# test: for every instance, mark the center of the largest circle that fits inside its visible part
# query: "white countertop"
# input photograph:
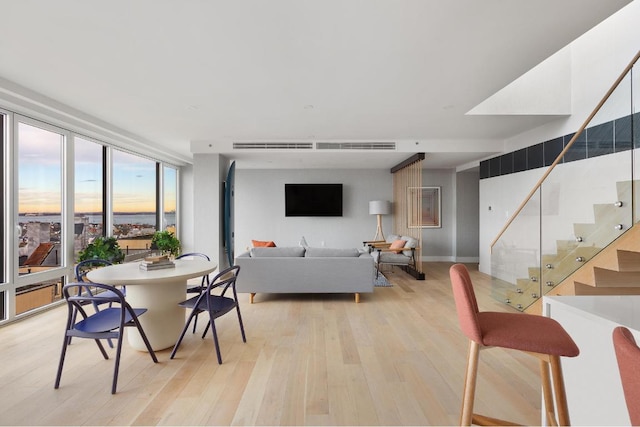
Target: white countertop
(622, 309)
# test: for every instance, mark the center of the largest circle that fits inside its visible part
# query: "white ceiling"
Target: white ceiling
(217, 72)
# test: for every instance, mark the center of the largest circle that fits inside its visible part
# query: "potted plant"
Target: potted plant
(103, 248)
(166, 242)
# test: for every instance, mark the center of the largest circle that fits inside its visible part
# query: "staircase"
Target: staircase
(590, 264)
(599, 258)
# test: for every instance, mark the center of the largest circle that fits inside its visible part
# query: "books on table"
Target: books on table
(156, 263)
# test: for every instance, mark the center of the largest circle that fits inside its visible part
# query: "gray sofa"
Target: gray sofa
(305, 270)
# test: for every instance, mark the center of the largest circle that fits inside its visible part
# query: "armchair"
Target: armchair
(395, 250)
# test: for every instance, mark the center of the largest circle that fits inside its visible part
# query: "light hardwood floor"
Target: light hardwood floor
(396, 358)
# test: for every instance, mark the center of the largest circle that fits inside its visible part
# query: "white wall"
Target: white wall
(259, 207)
(598, 58)
(467, 216)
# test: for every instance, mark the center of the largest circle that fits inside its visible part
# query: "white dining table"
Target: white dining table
(159, 291)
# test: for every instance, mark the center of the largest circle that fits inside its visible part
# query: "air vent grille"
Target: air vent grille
(356, 145)
(272, 145)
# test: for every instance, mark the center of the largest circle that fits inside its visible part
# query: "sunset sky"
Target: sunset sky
(40, 176)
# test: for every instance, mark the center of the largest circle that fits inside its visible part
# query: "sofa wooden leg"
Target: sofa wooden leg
(357, 297)
(251, 295)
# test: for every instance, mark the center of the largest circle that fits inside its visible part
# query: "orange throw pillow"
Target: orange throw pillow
(398, 244)
(263, 244)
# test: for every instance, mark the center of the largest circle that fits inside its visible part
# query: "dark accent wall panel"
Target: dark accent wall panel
(578, 151)
(535, 156)
(494, 167)
(600, 140)
(520, 160)
(552, 150)
(611, 137)
(622, 134)
(506, 164)
(484, 169)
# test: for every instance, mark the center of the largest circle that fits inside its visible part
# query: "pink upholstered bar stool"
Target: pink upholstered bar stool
(628, 356)
(539, 336)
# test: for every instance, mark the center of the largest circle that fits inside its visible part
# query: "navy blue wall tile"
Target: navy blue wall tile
(484, 169)
(494, 166)
(535, 156)
(552, 149)
(622, 134)
(618, 135)
(578, 151)
(506, 164)
(520, 160)
(600, 140)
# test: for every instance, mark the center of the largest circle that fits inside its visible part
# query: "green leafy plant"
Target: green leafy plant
(103, 248)
(166, 242)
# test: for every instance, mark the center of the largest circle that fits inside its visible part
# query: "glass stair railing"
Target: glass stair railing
(578, 207)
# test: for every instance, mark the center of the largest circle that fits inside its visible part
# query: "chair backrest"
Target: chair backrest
(226, 279)
(466, 303)
(194, 254)
(628, 356)
(83, 267)
(205, 278)
(76, 296)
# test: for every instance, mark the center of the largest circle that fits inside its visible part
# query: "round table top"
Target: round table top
(131, 274)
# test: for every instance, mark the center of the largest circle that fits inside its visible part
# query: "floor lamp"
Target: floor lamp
(379, 207)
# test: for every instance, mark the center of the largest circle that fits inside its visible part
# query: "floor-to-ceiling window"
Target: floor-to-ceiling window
(40, 232)
(3, 223)
(61, 190)
(170, 198)
(89, 200)
(134, 196)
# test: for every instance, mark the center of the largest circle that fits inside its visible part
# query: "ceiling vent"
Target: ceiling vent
(272, 145)
(356, 145)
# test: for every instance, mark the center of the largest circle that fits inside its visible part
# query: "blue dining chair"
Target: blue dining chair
(81, 270)
(108, 323)
(216, 305)
(198, 289)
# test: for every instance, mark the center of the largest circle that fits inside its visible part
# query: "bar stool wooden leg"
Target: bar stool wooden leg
(559, 391)
(470, 384)
(547, 392)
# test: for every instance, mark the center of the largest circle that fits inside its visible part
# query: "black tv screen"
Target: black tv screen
(313, 199)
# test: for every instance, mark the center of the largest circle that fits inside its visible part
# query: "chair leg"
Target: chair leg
(547, 393)
(117, 364)
(66, 342)
(215, 340)
(195, 324)
(184, 330)
(559, 391)
(470, 384)
(244, 338)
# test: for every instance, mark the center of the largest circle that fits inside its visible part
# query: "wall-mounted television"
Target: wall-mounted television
(313, 199)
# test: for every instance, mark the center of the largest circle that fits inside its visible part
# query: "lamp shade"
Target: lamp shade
(379, 207)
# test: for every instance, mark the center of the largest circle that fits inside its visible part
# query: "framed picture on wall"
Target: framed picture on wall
(424, 207)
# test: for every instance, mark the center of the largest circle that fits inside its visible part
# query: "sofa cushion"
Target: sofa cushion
(266, 252)
(392, 238)
(411, 243)
(331, 252)
(398, 244)
(263, 244)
